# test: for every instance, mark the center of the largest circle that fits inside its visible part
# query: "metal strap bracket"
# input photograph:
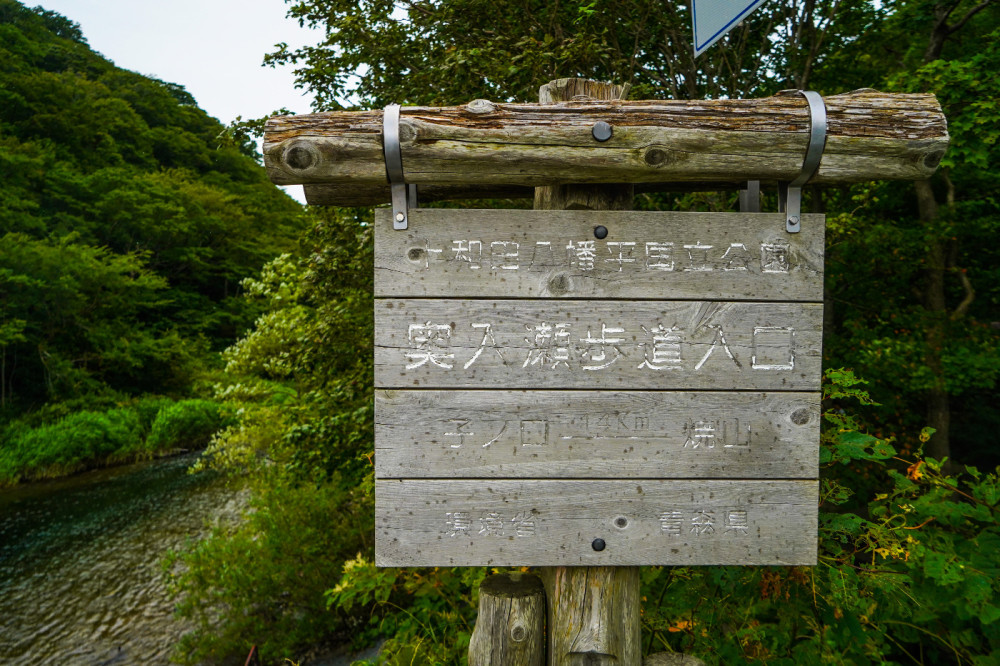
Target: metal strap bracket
(403, 196)
(790, 194)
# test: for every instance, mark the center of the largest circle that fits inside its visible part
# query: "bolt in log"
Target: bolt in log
(482, 146)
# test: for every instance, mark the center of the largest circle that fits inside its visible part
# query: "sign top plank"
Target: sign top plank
(633, 255)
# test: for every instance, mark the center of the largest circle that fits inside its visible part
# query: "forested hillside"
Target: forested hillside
(127, 221)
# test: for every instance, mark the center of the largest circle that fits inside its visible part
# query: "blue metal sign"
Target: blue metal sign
(714, 18)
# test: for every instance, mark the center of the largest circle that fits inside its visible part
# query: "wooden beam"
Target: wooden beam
(871, 135)
(593, 613)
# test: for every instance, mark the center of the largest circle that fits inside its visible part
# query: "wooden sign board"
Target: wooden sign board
(542, 384)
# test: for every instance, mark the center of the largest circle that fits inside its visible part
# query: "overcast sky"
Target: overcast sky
(214, 48)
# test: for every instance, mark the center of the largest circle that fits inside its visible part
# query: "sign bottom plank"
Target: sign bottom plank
(595, 522)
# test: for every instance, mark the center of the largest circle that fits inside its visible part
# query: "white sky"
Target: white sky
(214, 48)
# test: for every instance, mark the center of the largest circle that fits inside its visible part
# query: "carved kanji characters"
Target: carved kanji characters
(700, 434)
(582, 254)
(665, 351)
(736, 258)
(773, 348)
(458, 522)
(469, 252)
(524, 524)
(703, 523)
(737, 523)
(718, 338)
(603, 351)
(621, 253)
(549, 345)
(429, 344)
(457, 426)
(504, 255)
(698, 257)
(491, 524)
(659, 256)
(488, 341)
(774, 257)
(672, 523)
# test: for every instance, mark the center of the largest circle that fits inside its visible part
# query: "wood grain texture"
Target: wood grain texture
(871, 136)
(459, 343)
(532, 254)
(510, 628)
(596, 434)
(589, 633)
(598, 633)
(555, 522)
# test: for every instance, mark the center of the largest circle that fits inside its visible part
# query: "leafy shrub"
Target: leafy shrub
(186, 423)
(148, 408)
(267, 574)
(70, 443)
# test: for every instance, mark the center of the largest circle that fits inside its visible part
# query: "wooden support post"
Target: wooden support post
(510, 629)
(593, 612)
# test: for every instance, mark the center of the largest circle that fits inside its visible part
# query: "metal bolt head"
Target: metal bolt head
(602, 131)
(598, 545)
(600, 232)
(400, 217)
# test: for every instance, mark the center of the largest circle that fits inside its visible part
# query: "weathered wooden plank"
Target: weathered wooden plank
(556, 523)
(461, 343)
(871, 136)
(533, 253)
(596, 434)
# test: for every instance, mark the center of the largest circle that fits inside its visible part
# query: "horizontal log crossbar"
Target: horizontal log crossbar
(485, 148)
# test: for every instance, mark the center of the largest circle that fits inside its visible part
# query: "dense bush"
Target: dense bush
(186, 424)
(90, 438)
(267, 574)
(70, 444)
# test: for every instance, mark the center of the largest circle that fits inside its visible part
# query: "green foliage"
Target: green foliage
(88, 438)
(266, 574)
(186, 423)
(451, 52)
(70, 443)
(126, 223)
(303, 444)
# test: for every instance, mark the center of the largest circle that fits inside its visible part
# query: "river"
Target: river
(80, 576)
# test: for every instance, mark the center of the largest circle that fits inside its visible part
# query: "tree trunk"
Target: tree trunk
(510, 629)
(871, 135)
(593, 612)
(593, 616)
(938, 401)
